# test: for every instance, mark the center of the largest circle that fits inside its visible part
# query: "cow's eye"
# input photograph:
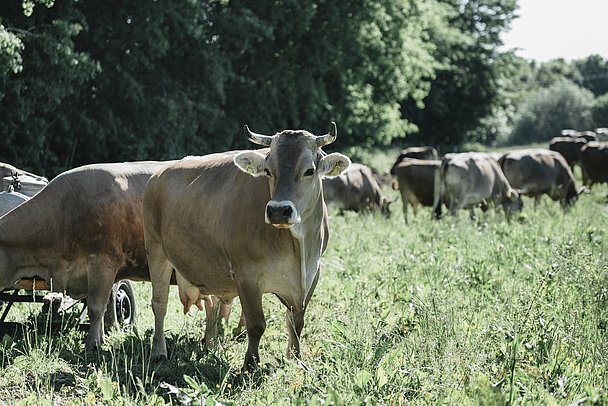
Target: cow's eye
(267, 172)
(309, 172)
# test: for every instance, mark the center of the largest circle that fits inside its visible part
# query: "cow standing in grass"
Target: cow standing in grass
(356, 189)
(539, 171)
(594, 162)
(81, 233)
(416, 182)
(471, 179)
(244, 224)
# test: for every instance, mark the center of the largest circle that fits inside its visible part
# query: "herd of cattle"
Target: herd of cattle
(477, 179)
(240, 223)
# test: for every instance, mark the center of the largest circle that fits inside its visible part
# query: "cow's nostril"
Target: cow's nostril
(287, 211)
(269, 211)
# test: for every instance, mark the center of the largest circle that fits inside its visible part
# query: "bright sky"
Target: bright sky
(550, 29)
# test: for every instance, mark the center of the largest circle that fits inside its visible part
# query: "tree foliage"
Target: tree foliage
(87, 82)
(549, 110)
(466, 87)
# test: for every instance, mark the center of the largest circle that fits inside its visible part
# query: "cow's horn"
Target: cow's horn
(326, 139)
(256, 138)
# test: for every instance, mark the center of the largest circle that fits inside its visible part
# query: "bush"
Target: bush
(546, 112)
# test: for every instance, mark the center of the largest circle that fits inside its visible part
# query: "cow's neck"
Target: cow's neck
(309, 234)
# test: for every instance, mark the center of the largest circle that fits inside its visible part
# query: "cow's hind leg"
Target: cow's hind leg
(160, 276)
(100, 278)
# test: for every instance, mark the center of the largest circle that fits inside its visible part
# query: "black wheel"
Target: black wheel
(121, 309)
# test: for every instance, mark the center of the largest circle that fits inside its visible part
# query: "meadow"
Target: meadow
(456, 311)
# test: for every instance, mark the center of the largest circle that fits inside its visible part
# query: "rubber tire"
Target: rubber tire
(121, 310)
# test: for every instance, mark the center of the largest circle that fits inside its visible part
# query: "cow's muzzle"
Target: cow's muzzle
(281, 214)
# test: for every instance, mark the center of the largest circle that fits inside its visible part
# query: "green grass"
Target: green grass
(455, 311)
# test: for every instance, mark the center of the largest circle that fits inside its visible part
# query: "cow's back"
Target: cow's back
(535, 171)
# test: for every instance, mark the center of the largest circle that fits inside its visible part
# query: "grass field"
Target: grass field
(456, 311)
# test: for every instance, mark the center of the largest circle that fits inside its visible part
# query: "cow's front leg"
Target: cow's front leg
(251, 302)
(295, 322)
(100, 279)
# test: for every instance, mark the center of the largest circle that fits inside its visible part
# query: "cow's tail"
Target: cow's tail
(438, 189)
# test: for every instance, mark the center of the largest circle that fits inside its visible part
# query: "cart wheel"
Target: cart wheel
(121, 309)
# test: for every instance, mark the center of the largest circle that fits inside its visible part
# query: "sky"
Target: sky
(550, 29)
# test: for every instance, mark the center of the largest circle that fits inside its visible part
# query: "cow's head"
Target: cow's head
(513, 202)
(294, 166)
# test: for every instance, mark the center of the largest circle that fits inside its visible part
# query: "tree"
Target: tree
(82, 82)
(600, 111)
(593, 74)
(549, 110)
(466, 87)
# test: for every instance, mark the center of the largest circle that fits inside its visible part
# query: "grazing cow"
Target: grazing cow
(416, 179)
(587, 136)
(594, 162)
(416, 153)
(356, 189)
(244, 224)
(82, 232)
(540, 171)
(470, 179)
(569, 147)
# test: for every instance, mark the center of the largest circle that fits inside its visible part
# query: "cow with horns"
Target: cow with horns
(242, 224)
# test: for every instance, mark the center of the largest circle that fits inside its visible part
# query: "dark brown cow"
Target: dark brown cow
(244, 224)
(356, 189)
(569, 147)
(416, 181)
(471, 179)
(594, 162)
(540, 171)
(425, 152)
(587, 136)
(81, 233)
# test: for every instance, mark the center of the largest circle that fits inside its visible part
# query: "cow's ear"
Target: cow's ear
(333, 164)
(251, 162)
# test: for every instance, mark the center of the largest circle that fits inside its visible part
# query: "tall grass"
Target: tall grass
(455, 311)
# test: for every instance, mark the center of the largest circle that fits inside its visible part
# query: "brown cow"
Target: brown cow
(539, 171)
(594, 162)
(586, 135)
(356, 189)
(242, 225)
(415, 178)
(425, 152)
(82, 232)
(569, 147)
(471, 179)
